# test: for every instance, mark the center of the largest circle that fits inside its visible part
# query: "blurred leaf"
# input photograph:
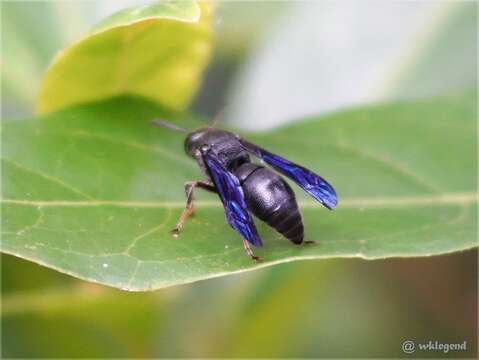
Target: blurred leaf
(238, 28)
(20, 276)
(340, 59)
(318, 310)
(92, 191)
(102, 323)
(443, 60)
(29, 38)
(157, 51)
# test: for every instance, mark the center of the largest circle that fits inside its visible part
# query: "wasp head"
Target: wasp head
(196, 140)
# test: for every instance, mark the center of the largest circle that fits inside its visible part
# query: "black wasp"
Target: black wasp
(246, 187)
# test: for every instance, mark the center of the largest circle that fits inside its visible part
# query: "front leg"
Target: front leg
(189, 208)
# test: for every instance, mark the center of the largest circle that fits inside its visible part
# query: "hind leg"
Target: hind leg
(189, 208)
(249, 251)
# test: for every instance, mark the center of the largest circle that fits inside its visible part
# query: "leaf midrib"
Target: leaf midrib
(351, 203)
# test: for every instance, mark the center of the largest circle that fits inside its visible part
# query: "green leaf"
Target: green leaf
(93, 190)
(157, 51)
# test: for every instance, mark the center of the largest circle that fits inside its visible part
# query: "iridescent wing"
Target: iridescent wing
(232, 196)
(310, 182)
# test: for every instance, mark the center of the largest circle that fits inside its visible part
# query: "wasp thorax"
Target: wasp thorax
(220, 140)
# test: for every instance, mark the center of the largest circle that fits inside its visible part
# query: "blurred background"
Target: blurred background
(274, 62)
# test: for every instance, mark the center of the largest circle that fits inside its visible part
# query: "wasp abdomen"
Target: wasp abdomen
(272, 200)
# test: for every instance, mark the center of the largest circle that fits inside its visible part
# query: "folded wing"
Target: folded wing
(232, 196)
(310, 182)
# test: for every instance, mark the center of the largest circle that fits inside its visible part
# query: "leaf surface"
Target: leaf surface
(157, 51)
(92, 191)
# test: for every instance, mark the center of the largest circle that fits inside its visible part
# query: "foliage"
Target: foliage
(93, 190)
(157, 51)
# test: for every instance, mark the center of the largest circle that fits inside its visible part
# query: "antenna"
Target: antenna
(167, 125)
(217, 116)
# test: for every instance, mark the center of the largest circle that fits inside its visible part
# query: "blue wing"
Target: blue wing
(232, 196)
(312, 183)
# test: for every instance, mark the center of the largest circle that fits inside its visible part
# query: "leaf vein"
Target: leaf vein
(399, 168)
(49, 178)
(155, 149)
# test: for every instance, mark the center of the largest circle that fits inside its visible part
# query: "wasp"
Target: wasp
(247, 188)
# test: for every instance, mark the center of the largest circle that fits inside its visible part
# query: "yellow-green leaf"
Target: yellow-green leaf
(157, 51)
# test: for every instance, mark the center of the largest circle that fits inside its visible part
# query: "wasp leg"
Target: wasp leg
(309, 242)
(189, 208)
(249, 251)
